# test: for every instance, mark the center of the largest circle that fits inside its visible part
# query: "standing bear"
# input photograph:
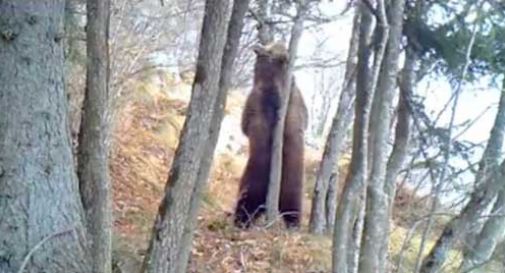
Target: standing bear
(259, 118)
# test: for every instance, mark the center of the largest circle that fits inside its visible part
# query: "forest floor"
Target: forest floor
(144, 140)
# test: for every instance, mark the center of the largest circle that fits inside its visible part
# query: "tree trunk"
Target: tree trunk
(353, 252)
(331, 197)
(481, 251)
(355, 181)
(93, 170)
(167, 237)
(492, 233)
(265, 33)
(321, 197)
(274, 185)
(42, 226)
(235, 27)
(402, 135)
(376, 224)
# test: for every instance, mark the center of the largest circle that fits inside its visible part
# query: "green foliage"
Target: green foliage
(441, 31)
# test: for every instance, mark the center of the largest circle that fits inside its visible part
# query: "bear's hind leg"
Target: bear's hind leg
(248, 210)
(253, 189)
(290, 201)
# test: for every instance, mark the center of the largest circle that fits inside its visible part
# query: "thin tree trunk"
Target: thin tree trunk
(265, 33)
(376, 224)
(167, 238)
(321, 197)
(458, 226)
(235, 27)
(42, 222)
(355, 181)
(274, 185)
(402, 135)
(92, 170)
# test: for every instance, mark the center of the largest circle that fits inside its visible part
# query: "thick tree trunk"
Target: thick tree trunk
(274, 185)
(93, 170)
(321, 198)
(166, 240)
(353, 193)
(376, 224)
(42, 226)
(235, 27)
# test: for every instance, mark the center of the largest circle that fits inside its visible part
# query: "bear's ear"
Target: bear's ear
(259, 49)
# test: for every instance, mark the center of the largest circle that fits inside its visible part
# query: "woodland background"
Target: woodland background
(404, 164)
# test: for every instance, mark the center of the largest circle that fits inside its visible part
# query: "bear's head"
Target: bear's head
(271, 60)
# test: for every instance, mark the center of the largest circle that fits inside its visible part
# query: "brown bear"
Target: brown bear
(259, 118)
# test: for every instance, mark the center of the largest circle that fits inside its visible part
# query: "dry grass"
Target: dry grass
(145, 138)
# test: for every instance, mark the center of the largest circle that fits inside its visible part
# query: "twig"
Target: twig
(457, 92)
(39, 245)
(243, 262)
(279, 216)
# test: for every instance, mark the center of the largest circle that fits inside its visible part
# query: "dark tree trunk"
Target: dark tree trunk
(235, 27)
(165, 247)
(42, 226)
(331, 199)
(92, 160)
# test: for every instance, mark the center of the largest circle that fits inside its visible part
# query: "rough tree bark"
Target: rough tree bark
(353, 192)
(481, 198)
(323, 196)
(167, 236)
(274, 185)
(402, 135)
(235, 27)
(376, 225)
(42, 226)
(92, 169)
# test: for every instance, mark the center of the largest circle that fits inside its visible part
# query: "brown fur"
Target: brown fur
(258, 122)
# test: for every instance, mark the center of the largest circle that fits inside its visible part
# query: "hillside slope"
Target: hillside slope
(144, 140)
